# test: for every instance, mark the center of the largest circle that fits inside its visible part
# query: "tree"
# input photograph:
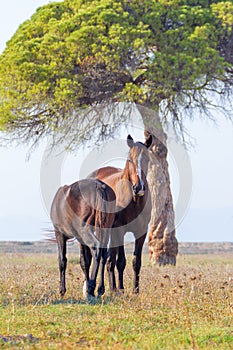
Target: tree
(167, 56)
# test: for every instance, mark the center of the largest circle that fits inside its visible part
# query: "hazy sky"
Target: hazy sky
(209, 216)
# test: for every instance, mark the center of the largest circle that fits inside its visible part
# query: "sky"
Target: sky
(201, 179)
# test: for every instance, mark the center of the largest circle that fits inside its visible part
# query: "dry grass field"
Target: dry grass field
(189, 306)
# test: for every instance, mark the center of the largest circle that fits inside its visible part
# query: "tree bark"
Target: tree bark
(162, 242)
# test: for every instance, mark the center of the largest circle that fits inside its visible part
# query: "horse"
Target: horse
(133, 210)
(84, 210)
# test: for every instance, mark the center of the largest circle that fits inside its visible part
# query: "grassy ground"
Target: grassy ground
(186, 307)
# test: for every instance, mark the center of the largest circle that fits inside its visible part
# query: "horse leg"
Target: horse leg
(104, 238)
(121, 263)
(62, 260)
(111, 263)
(137, 260)
(85, 262)
(96, 250)
(101, 287)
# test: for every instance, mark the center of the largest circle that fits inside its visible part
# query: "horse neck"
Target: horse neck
(122, 187)
(126, 173)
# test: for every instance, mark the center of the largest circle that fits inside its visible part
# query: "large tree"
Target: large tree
(168, 56)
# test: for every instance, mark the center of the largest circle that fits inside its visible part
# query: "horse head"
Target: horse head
(137, 164)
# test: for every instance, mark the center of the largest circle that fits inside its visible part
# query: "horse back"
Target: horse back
(105, 172)
(80, 204)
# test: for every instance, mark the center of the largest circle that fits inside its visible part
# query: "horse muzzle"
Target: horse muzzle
(138, 190)
(140, 193)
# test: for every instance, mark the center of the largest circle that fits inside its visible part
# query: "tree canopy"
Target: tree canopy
(75, 54)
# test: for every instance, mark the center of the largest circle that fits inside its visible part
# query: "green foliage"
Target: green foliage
(74, 54)
(224, 11)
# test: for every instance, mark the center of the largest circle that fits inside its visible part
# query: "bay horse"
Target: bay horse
(84, 210)
(133, 209)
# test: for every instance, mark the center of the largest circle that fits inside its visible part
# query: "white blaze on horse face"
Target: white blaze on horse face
(141, 192)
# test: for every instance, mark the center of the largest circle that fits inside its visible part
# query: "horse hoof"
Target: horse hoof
(62, 293)
(117, 292)
(91, 299)
(101, 292)
(120, 292)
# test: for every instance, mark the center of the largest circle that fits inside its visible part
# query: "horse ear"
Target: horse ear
(148, 141)
(130, 141)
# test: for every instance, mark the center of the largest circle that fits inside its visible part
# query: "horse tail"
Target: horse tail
(101, 217)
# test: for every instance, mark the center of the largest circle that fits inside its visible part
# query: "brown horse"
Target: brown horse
(84, 210)
(133, 209)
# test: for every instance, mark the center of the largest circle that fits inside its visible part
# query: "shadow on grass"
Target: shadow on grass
(88, 301)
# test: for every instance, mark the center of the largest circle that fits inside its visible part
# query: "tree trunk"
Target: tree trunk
(163, 245)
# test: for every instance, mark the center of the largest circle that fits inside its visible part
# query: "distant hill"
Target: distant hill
(47, 247)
